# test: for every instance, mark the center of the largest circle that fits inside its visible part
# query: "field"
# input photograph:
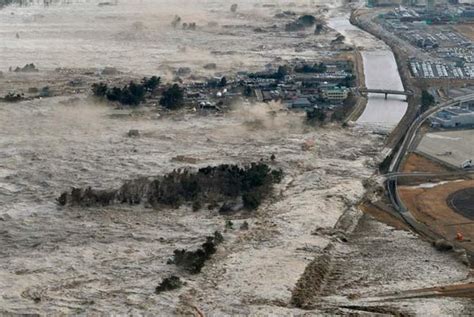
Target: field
(429, 204)
(466, 29)
(418, 163)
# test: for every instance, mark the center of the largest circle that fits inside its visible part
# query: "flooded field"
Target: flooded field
(111, 259)
(137, 36)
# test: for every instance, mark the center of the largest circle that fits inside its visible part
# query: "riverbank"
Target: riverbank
(363, 20)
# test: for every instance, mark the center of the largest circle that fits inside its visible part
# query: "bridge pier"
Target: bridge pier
(386, 96)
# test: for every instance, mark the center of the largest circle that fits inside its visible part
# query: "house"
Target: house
(301, 103)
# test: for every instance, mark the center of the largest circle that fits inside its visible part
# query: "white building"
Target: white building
(454, 117)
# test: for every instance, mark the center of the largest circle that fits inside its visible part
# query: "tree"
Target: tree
(315, 115)
(114, 94)
(319, 29)
(223, 82)
(133, 94)
(427, 100)
(173, 97)
(320, 68)
(281, 73)
(248, 91)
(347, 81)
(100, 89)
(307, 20)
(150, 84)
(176, 21)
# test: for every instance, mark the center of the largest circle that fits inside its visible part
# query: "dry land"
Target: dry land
(415, 162)
(450, 147)
(429, 204)
(466, 29)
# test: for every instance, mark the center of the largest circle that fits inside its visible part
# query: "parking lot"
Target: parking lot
(451, 147)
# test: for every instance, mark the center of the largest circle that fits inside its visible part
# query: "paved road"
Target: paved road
(394, 169)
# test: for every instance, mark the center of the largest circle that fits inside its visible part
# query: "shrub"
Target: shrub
(193, 261)
(169, 284)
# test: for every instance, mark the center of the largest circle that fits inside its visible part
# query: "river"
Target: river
(381, 72)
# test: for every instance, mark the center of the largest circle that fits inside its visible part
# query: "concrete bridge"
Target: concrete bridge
(386, 92)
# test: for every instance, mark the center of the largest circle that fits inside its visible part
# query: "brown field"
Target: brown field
(429, 206)
(418, 163)
(383, 215)
(466, 29)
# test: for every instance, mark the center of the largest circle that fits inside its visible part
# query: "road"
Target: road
(394, 169)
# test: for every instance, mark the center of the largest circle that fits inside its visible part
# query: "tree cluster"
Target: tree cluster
(427, 100)
(193, 261)
(173, 97)
(214, 185)
(315, 116)
(12, 97)
(348, 81)
(316, 68)
(341, 112)
(301, 23)
(132, 94)
(279, 75)
(168, 284)
(28, 68)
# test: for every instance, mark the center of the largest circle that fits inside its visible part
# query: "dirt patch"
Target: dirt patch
(466, 30)
(418, 163)
(310, 284)
(383, 214)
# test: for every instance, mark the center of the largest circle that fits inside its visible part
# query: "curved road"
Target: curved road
(394, 169)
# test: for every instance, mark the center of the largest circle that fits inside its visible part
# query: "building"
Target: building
(454, 117)
(301, 103)
(335, 94)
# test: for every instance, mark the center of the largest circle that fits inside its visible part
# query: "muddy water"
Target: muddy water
(137, 35)
(109, 260)
(381, 72)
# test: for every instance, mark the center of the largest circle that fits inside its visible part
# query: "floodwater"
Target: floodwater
(381, 72)
(108, 261)
(137, 36)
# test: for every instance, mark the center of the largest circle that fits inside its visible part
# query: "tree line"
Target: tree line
(134, 94)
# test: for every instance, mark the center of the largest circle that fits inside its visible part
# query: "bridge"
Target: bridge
(386, 92)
